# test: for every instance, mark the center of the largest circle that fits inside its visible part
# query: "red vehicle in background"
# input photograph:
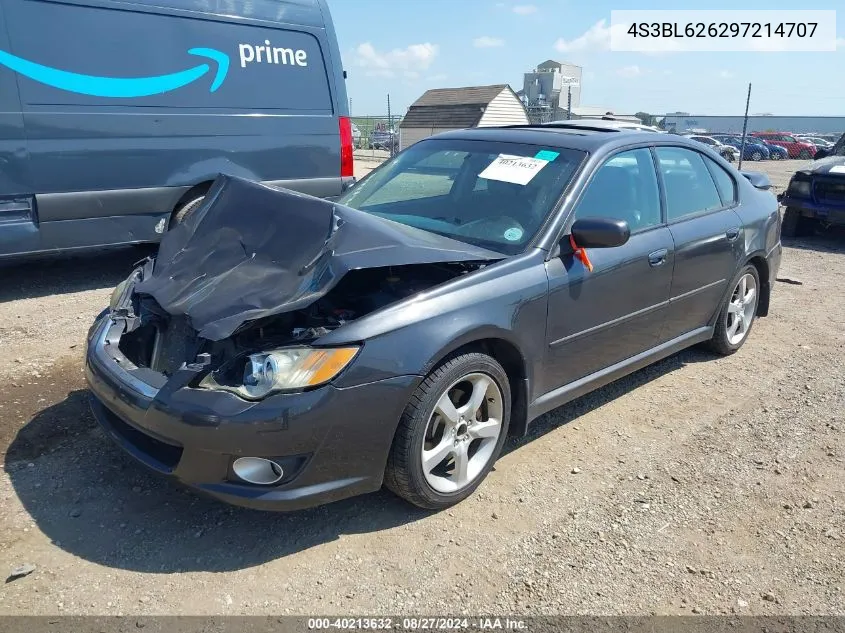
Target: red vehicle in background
(796, 147)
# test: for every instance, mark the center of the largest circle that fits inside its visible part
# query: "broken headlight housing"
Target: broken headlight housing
(799, 187)
(117, 293)
(286, 369)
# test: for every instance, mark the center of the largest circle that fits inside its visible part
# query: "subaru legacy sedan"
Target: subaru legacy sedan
(283, 351)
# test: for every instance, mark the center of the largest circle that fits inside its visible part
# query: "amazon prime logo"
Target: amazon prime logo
(119, 87)
(272, 55)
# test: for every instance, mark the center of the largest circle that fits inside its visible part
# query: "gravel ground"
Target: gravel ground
(697, 485)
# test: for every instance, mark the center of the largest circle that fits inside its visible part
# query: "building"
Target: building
(595, 112)
(443, 109)
(546, 89)
(683, 122)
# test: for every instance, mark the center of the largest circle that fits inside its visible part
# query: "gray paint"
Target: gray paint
(568, 330)
(107, 168)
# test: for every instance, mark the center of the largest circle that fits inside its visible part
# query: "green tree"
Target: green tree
(646, 118)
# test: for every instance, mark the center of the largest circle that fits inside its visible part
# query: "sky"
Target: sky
(404, 47)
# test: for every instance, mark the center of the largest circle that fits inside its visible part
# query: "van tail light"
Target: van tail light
(347, 166)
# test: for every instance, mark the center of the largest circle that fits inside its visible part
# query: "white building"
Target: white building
(443, 109)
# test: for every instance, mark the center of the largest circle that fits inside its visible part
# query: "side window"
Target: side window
(689, 187)
(624, 188)
(724, 182)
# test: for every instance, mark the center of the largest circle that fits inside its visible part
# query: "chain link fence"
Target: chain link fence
(376, 138)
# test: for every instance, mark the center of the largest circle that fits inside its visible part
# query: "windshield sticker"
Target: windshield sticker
(837, 169)
(513, 234)
(545, 154)
(518, 170)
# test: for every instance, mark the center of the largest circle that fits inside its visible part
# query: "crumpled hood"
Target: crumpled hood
(252, 251)
(824, 165)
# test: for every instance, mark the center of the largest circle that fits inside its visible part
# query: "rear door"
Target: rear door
(700, 197)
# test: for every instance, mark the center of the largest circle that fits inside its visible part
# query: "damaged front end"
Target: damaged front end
(247, 286)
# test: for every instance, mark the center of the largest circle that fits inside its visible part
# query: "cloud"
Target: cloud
(524, 9)
(487, 42)
(595, 38)
(399, 61)
(437, 77)
(726, 74)
(629, 72)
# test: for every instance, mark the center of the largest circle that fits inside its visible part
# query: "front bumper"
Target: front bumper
(833, 214)
(332, 442)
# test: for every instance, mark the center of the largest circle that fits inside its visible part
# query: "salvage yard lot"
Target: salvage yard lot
(695, 485)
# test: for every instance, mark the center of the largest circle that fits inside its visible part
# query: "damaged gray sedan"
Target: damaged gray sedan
(283, 351)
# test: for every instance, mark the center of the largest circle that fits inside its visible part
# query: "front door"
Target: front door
(599, 318)
(707, 234)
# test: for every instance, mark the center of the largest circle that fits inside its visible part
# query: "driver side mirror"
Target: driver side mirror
(822, 153)
(600, 232)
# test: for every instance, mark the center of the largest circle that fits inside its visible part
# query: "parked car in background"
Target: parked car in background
(309, 351)
(755, 149)
(119, 155)
(815, 195)
(384, 139)
(356, 135)
(820, 143)
(795, 146)
(776, 152)
(727, 152)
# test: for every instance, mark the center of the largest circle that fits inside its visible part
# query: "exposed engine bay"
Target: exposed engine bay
(164, 342)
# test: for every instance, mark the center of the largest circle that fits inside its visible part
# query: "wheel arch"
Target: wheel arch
(501, 346)
(758, 260)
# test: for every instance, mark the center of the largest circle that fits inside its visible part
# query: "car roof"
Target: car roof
(564, 135)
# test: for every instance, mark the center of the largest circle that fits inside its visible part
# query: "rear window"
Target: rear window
(95, 56)
(490, 194)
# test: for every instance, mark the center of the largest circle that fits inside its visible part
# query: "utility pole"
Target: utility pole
(569, 101)
(744, 127)
(390, 136)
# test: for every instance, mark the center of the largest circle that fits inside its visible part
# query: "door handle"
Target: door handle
(658, 258)
(732, 233)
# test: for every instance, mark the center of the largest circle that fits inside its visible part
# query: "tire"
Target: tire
(775, 155)
(434, 485)
(757, 155)
(728, 156)
(184, 210)
(796, 225)
(804, 155)
(728, 337)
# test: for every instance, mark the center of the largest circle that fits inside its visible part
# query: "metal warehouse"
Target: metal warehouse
(683, 122)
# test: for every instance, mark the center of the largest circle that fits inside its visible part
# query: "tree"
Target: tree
(646, 118)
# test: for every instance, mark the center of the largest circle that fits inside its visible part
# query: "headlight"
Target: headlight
(284, 369)
(117, 293)
(799, 188)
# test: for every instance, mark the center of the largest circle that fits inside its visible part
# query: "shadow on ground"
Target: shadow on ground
(99, 505)
(61, 274)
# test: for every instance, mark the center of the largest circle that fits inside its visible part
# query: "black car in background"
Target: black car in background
(309, 351)
(815, 195)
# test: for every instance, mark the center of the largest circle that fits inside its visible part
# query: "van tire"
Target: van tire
(183, 210)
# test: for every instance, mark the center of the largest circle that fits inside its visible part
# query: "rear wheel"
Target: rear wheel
(757, 155)
(738, 313)
(796, 225)
(775, 155)
(451, 432)
(804, 154)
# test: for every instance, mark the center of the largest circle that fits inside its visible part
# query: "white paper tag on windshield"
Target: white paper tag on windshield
(837, 169)
(518, 170)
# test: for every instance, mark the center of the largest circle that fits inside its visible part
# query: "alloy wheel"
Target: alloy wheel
(462, 432)
(741, 309)
(756, 156)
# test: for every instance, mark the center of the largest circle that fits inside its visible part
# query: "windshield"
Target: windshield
(489, 194)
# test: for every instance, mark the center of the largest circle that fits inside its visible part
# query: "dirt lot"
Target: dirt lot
(698, 485)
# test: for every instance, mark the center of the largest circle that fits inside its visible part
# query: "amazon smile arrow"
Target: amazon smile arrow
(116, 86)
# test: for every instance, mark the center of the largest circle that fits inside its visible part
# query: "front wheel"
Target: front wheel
(184, 210)
(738, 313)
(451, 432)
(757, 156)
(775, 155)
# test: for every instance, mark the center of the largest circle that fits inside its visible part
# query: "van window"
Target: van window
(127, 57)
